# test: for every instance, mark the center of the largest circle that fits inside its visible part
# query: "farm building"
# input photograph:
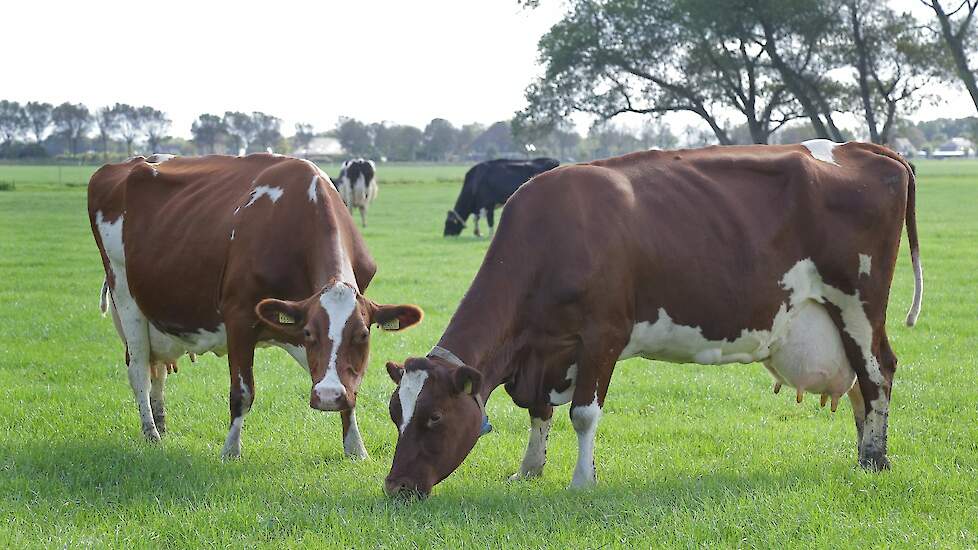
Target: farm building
(320, 146)
(957, 147)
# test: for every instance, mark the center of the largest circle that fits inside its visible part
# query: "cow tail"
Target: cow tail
(103, 303)
(918, 272)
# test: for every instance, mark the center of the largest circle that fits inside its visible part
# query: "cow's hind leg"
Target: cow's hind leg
(858, 411)
(478, 232)
(158, 374)
(352, 442)
(491, 219)
(536, 447)
(241, 357)
(363, 216)
(134, 329)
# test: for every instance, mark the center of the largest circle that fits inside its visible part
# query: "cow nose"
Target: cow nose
(329, 399)
(402, 488)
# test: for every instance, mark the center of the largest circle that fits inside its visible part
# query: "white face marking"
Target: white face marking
(312, 190)
(273, 193)
(865, 264)
(408, 391)
(559, 398)
(821, 149)
(338, 302)
(346, 267)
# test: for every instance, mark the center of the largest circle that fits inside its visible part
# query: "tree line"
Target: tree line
(755, 65)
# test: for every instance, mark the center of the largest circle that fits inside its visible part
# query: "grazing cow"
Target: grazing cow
(488, 185)
(224, 254)
(775, 254)
(358, 185)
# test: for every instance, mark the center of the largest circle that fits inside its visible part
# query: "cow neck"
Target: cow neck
(481, 333)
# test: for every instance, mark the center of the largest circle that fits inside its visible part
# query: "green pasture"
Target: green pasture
(686, 455)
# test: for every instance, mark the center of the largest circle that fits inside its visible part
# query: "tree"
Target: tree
(303, 135)
(73, 121)
(107, 123)
(129, 124)
(892, 62)
(611, 57)
(241, 128)
(355, 137)
(155, 124)
(396, 142)
(267, 130)
(38, 118)
(960, 39)
(440, 139)
(208, 130)
(657, 134)
(12, 121)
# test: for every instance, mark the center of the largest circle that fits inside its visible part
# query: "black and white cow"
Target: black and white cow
(357, 185)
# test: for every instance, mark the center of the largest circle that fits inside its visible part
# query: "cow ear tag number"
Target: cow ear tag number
(392, 324)
(284, 319)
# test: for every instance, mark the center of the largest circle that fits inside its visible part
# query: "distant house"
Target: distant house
(320, 146)
(903, 146)
(958, 147)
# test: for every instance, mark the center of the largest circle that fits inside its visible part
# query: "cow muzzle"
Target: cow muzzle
(404, 488)
(329, 398)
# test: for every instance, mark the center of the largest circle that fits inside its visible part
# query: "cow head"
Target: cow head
(333, 326)
(454, 224)
(438, 416)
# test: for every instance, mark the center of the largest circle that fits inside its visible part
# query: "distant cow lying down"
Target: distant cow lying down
(357, 185)
(226, 254)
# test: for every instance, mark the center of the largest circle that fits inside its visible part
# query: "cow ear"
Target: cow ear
(281, 315)
(467, 380)
(395, 371)
(396, 317)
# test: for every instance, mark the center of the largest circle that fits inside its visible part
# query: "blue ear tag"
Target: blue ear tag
(486, 426)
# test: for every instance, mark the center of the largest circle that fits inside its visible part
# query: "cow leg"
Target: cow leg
(594, 368)
(491, 219)
(478, 233)
(133, 328)
(363, 216)
(352, 442)
(536, 448)
(158, 374)
(241, 357)
(858, 411)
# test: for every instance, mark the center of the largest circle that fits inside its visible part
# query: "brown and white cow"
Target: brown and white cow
(775, 254)
(224, 254)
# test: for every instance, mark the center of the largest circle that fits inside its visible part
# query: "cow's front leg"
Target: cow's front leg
(478, 232)
(363, 216)
(241, 357)
(352, 442)
(858, 412)
(536, 447)
(491, 219)
(158, 374)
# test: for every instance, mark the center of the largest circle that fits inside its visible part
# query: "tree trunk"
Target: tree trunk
(862, 70)
(954, 44)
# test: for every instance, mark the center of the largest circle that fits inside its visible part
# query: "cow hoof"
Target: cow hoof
(153, 436)
(230, 454)
(358, 455)
(875, 463)
(160, 422)
(523, 476)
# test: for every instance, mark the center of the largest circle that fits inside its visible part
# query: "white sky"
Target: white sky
(404, 61)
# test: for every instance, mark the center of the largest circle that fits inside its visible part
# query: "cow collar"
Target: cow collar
(445, 355)
(461, 221)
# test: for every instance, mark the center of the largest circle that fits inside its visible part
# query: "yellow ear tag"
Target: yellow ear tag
(284, 319)
(392, 324)
(468, 387)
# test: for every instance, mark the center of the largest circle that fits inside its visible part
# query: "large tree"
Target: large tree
(107, 123)
(440, 139)
(303, 135)
(129, 124)
(12, 121)
(958, 32)
(155, 124)
(267, 130)
(38, 118)
(208, 130)
(241, 128)
(354, 136)
(73, 121)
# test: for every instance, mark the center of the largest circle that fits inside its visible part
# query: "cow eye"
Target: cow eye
(434, 419)
(307, 333)
(362, 336)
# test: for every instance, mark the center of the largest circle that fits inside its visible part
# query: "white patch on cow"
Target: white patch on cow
(536, 449)
(352, 441)
(273, 193)
(232, 445)
(412, 382)
(297, 352)
(312, 190)
(170, 347)
(339, 302)
(668, 341)
(245, 395)
(585, 420)
(343, 261)
(159, 158)
(562, 397)
(232, 234)
(236, 210)
(865, 264)
(809, 355)
(821, 149)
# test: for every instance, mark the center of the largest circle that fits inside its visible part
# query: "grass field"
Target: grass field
(686, 455)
